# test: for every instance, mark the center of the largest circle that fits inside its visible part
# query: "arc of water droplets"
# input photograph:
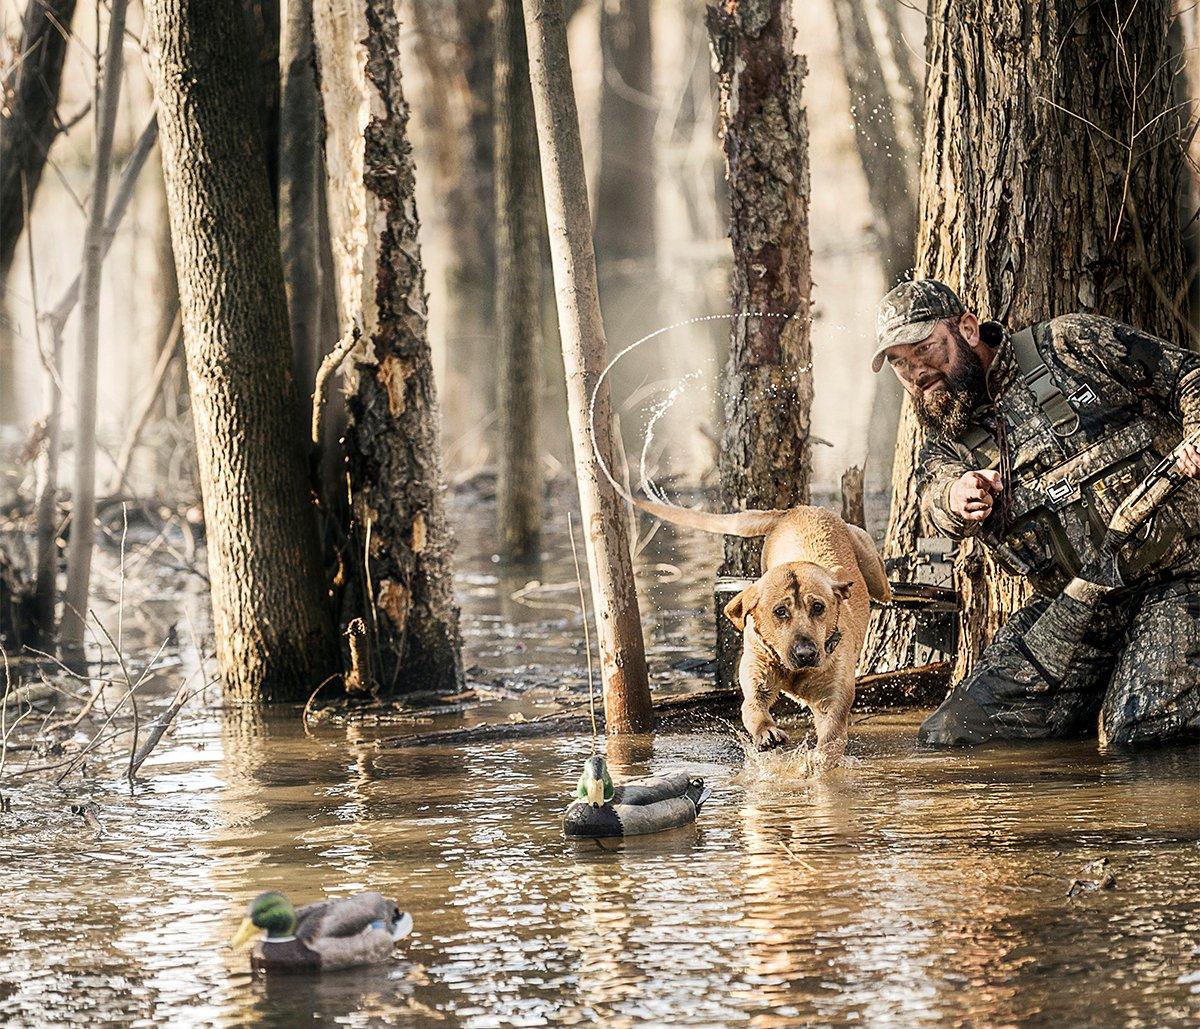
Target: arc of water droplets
(671, 398)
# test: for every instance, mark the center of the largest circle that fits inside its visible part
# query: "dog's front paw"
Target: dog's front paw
(770, 738)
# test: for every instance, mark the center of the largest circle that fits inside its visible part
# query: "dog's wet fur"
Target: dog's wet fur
(803, 621)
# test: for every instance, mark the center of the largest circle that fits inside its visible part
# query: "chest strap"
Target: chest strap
(1062, 416)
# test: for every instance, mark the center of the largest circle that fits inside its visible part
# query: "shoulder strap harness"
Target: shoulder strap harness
(1062, 416)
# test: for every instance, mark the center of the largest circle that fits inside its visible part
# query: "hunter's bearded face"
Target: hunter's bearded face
(945, 378)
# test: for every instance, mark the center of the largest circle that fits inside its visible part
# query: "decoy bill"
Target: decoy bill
(321, 937)
(635, 808)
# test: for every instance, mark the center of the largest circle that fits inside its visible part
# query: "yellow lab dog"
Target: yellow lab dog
(803, 622)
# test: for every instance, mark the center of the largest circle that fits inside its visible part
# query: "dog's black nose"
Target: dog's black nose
(805, 654)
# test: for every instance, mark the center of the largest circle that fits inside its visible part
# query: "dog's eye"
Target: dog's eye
(781, 611)
(818, 608)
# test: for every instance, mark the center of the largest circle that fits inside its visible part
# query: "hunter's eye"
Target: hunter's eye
(818, 608)
(781, 611)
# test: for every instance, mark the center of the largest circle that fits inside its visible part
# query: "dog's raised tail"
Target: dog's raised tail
(738, 523)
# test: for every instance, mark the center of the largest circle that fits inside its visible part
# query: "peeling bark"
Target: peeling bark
(766, 452)
(1033, 205)
(397, 564)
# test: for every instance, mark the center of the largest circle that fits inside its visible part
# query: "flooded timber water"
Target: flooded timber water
(911, 888)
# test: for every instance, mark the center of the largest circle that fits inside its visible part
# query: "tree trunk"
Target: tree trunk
(301, 178)
(1047, 186)
(402, 587)
(262, 17)
(28, 122)
(28, 125)
(455, 49)
(765, 453)
(518, 289)
(627, 706)
(274, 637)
(626, 200)
(83, 490)
(889, 165)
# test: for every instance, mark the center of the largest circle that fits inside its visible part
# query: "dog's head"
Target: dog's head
(795, 612)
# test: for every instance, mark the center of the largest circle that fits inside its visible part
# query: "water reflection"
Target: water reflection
(910, 888)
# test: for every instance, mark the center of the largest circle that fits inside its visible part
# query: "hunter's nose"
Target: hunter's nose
(804, 654)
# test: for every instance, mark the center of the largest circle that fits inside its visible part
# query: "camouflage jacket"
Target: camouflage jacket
(1135, 396)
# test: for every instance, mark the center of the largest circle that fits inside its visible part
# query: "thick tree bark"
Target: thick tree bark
(398, 565)
(83, 490)
(518, 289)
(627, 706)
(1047, 186)
(274, 636)
(28, 123)
(765, 453)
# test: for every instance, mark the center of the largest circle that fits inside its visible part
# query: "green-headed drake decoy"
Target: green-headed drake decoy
(636, 808)
(321, 937)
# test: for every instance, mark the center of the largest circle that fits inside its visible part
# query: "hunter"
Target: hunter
(1032, 440)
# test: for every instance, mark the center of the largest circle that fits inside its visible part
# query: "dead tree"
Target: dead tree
(518, 289)
(1027, 104)
(273, 632)
(397, 565)
(765, 453)
(83, 491)
(627, 706)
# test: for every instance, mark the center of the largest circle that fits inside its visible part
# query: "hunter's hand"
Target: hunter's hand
(971, 498)
(1189, 461)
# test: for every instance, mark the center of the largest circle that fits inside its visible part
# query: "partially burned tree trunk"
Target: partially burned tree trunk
(274, 636)
(765, 453)
(627, 706)
(262, 18)
(28, 122)
(518, 289)
(397, 567)
(1047, 186)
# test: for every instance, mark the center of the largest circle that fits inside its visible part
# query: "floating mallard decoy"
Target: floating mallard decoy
(320, 937)
(636, 808)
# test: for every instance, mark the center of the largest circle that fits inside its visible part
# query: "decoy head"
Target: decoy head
(595, 784)
(271, 911)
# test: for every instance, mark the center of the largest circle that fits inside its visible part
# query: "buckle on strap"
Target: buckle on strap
(1064, 419)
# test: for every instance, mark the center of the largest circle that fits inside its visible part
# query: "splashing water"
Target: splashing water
(783, 766)
(659, 412)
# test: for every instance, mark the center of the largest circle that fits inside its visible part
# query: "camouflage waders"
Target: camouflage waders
(1083, 408)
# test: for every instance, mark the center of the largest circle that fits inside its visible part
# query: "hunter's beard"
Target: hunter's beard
(946, 412)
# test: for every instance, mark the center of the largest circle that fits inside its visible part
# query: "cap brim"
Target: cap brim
(901, 336)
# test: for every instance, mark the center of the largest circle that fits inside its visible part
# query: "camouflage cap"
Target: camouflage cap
(910, 312)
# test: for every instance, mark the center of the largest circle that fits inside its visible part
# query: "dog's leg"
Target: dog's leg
(832, 721)
(760, 689)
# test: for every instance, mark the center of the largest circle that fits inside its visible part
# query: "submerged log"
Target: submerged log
(923, 686)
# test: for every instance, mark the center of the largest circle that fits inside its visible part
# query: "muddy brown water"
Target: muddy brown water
(910, 888)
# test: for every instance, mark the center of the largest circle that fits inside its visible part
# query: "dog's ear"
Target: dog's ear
(842, 590)
(741, 605)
